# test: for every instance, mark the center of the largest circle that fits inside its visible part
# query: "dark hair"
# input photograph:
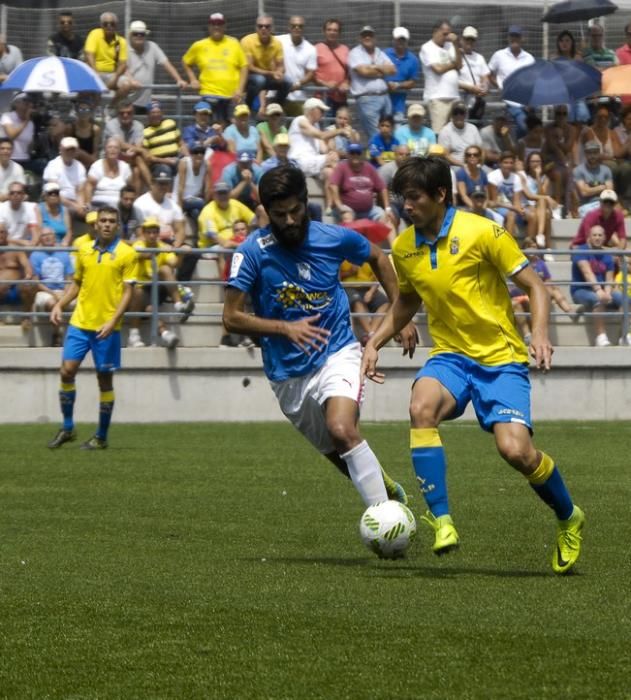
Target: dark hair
(386, 118)
(106, 209)
(429, 174)
(529, 158)
(625, 111)
(568, 34)
(506, 154)
(626, 27)
(437, 25)
(532, 121)
(128, 188)
(5, 139)
(280, 183)
(331, 20)
(65, 13)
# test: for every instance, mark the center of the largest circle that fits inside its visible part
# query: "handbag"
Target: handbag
(476, 110)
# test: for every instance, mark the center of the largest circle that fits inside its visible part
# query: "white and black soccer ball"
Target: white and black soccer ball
(387, 529)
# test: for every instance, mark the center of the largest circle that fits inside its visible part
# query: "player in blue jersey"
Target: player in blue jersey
(290, 269)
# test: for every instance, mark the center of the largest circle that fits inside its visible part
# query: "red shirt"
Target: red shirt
(614, 224)
(624, 54)
(357, 189)
(329, 68)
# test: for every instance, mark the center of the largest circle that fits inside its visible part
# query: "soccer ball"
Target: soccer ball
(387, 528)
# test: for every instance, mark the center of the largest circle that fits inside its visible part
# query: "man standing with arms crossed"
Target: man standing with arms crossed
(103, 282)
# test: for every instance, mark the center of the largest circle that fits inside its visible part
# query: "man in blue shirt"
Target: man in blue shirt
(201, 130)
(415, 135)
(408, 71)
(243, 176)
(290, 269)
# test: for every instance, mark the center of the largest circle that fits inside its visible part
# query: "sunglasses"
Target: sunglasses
(108, 24)
(264, 26)
(472, 155)
(296, 26)
(138, 34)
(53, 193)
(16, 192)
(458, 112)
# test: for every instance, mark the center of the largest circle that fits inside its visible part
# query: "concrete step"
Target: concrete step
(563, 230)
(207, 269)
(12, 336)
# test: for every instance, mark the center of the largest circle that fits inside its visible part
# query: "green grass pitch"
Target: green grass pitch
(223, 561)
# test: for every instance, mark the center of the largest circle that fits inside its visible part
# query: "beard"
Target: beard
(291, 236)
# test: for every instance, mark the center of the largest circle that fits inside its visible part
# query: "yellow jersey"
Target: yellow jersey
(144, 273)
(219, 64)
(364, 272)
(461, 278)
(214, 220)
(163, 140)
(263, 56)
(102, 275)
(619, 279)
(107, 55)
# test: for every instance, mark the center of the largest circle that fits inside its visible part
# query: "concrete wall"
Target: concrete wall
(197, 384)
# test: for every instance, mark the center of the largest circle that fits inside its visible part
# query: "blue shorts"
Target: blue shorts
(106, 352)
(12, 296)
(500, 394)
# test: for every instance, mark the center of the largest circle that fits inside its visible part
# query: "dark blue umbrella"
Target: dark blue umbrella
(578, 11)
(551, 83)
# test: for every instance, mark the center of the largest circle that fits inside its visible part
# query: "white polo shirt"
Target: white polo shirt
(69, 177)
(474, 71)
(504, 62)
(18, 221)
(167, 213)
(358, 56)
(439, 87)
(298, 60)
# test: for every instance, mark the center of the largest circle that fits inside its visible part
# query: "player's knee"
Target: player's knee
(67, 374)
(423, 414)
(344, 435)
(517, 452)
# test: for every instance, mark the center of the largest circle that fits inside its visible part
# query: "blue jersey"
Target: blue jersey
(291, 284)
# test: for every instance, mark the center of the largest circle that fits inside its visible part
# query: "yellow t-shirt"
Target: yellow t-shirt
(163, 140)
(162, 259)
(618, 281)
(219, 64)
(263, 56)
(461, 279)
(107, 55)
(212, 219)
(364, 272)
(102, 276)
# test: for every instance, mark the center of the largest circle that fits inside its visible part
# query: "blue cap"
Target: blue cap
(244, 157)
(515, 29)
(154, 104)
(355, 148)
(202, 106)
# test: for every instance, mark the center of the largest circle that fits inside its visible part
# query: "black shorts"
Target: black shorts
(356, 295)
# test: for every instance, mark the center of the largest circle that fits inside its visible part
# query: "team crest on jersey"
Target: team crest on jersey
(266, 241)
(304, 271)
(498, 231)
(454, 245)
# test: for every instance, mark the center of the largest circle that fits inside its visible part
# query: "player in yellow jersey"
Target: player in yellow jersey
(457, 264)
(105, 272)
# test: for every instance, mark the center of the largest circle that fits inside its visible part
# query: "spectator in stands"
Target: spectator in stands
(458, 135)
(473, 77)
(87, 132)
(19, 127)
(504, 191)
(221, 65)
(201, 131)
(369, 69)
(597, 54)
(387, 171)
(345, 133)
(558, 155)
(609, 218)
(355, 183)
(415, 134)
(130, 133)
(54, 215)
(623, 53)
(593, 284)
(407, 74)
(537, 202)
(191, 190)
(271, 128)
(129, 216)
(157, 204)
(71, 177)
(300, 61)
(161, 138)
(381, 146)
(441, 57)
(46, 145)
(217, 218)
(567, 49)
(622, 173)
(471, 176)
(280, 150)
(10, 171)
(496, 139)
(242, 136)
(479, 198)
(107, 177)
(10, 58)
(266, 66)
(332, 69)
(65, 43)
(15, 266)
(243, 177)
(166, 262)
(591, 178)
(533, 140)
(53, 268)
(21, 218)
(143, 58)
(505, 62)
(106, 52)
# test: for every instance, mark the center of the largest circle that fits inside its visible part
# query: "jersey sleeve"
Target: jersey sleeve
(404, 285)
(244, 267)
(130, 267)
(502, 250)
(353, 246)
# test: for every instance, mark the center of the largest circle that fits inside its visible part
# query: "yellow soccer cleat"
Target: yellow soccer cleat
(446, 537)
(395, 491)
(569, 540)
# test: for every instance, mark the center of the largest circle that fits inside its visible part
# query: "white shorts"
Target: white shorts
(312, 166)
(302, 399)
(41, 299)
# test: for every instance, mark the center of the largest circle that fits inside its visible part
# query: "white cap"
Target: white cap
(416, 109)
(470, 33)
(400, 33)
(138, 27)
(51, 186)
(608, 196)
(69, 142)
(314, 102)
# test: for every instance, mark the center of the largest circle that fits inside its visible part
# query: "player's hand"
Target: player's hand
(56, 315)
(307, 335)
(541, 349)
(195, 84)
(408, 337)
(368, 367)
(105, 330)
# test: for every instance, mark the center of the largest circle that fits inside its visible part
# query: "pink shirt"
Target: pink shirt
(329, 68)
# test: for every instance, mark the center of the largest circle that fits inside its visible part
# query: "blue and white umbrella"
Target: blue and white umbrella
(53, 74)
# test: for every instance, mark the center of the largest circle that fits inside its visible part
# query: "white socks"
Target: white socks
(365, 471)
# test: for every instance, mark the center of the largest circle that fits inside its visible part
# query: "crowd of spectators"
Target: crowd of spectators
(346, 116)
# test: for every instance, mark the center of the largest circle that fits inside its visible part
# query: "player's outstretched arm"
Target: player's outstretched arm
(305, 333)
(540, 347)
(399, 316)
